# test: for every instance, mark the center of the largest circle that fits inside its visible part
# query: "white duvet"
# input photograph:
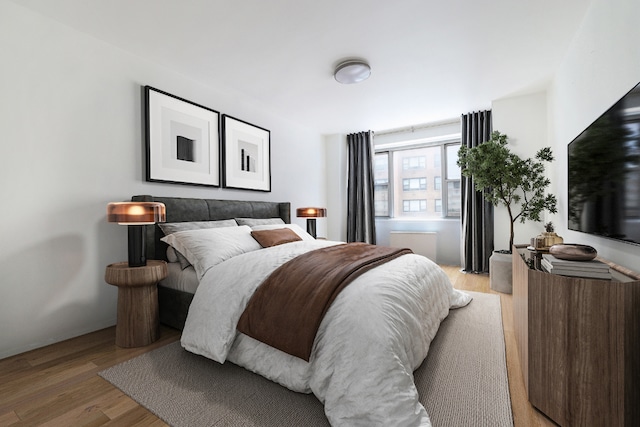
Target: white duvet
(375, 334)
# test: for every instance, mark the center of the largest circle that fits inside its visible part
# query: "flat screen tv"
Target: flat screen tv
(604, 173)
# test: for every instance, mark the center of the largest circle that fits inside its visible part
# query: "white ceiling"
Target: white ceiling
(431, 60)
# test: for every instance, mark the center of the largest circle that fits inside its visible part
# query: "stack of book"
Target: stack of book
(593, 269)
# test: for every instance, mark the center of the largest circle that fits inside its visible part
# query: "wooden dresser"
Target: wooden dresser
(579, 345)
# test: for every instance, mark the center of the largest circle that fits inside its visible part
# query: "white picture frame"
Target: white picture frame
(246, 155)
(182, 140)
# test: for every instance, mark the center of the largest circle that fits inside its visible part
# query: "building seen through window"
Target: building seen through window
(409, 181)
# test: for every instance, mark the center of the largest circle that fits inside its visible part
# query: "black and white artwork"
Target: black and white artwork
(184, 149)
(247, 155)
(183, 140)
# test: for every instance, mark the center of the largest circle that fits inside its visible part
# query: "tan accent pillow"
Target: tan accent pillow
(278, 236)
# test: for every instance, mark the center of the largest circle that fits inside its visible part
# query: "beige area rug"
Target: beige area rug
(463, 381)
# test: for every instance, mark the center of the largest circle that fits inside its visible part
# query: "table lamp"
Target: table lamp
(311, 214)
(136, 215)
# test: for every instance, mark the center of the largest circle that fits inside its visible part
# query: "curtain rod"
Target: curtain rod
(411, 129)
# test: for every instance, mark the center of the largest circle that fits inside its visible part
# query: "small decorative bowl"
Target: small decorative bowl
(573, 252)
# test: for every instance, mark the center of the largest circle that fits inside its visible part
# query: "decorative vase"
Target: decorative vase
(546, 239)
(551, 238)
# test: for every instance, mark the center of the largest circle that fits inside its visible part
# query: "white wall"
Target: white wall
(523, 119)
(336, 169)
(602, 64)
(71, 121)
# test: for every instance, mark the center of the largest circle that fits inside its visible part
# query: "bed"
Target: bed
(174, 303)
(373, 335)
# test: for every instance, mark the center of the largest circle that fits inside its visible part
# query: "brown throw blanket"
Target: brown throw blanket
(287, 308)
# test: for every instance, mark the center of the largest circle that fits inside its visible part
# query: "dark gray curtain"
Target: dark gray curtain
(477, 214)
(361, 225)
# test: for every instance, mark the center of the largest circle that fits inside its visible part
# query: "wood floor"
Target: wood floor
(58, 385)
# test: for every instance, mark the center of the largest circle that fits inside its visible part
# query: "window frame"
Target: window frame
(443, 143)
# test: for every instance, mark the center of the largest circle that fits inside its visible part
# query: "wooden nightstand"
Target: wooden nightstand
(138, 315)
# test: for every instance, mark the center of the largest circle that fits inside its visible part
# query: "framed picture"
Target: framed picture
(183, 140)
(246, 155)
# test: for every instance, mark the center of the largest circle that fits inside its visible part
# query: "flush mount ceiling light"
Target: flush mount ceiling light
(352, 71)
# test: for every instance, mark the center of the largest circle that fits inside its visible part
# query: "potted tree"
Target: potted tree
(508, 180)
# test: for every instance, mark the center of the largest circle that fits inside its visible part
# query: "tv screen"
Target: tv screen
(604, 173)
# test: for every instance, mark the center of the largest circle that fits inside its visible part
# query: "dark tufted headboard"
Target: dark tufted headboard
(185, 209)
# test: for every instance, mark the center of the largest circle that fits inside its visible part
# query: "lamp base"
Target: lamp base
(136, 246)
(311, 227)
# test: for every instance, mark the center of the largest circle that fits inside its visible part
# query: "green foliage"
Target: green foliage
(506, 179)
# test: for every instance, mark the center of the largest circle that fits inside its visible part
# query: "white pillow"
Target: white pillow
(252, 222)
(175, 256)
(295, 227)
(171, 254)
(208, 247)
(173, 227)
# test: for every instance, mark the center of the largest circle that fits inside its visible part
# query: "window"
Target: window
(414, 205)
(413, 162)
(453, 174)
(381, 184)
(412, 184)
(402, 173)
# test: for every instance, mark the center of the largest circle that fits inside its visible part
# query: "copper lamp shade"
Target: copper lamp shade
(311, 214)
(136, 215)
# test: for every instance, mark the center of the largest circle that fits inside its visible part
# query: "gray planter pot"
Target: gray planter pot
(500, 274)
